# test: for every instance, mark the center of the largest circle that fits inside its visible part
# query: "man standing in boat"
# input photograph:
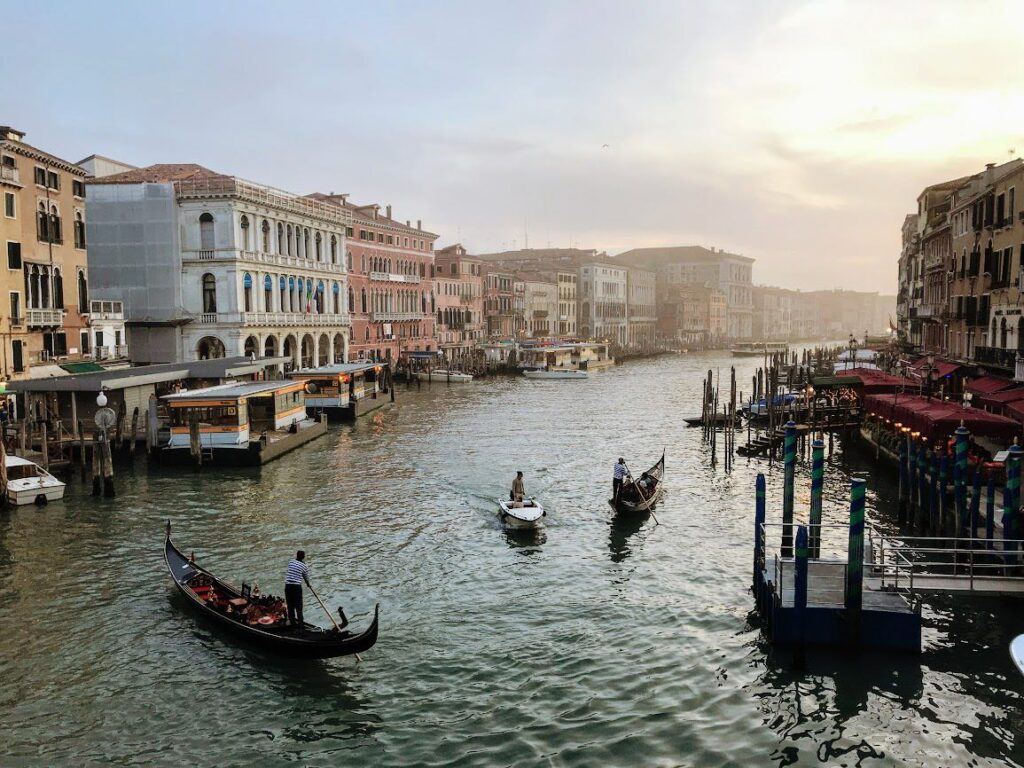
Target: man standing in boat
(518, 489)
(296, 573)
(618, 475)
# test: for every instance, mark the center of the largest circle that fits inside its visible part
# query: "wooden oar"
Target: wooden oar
(651, 511)
(329, 614)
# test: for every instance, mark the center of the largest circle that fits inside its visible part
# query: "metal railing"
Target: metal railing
(44, 317)
(275, 318)
(394, 277)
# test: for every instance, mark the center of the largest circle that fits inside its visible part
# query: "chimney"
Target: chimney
(331, 193)
(344, 197)
(388, 214)
(419, 223)
(407, 223)
(375, 209)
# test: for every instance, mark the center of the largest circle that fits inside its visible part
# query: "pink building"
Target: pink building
(459, 288)
(390, 285)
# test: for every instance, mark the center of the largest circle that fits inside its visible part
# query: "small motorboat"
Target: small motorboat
(525, 514)
(260, 619)
(1017, 652)
(28, 483)
(643, 493)
(444, 375)
(555, 373)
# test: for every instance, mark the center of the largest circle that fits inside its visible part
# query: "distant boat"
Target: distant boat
(28, 483)
(444, 375)
(529, 515)
(644, 493)
(758, 348)
(555, 373)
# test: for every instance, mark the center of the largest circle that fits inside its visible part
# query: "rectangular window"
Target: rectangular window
(17, 356)
(78, 188)
(10, 211)
(13, 255)
(85, 342)
(53, 180)
(40, 176)
(99, 339)
(15, 308)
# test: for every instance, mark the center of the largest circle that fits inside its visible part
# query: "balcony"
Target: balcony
(273, 319)
(994, 356)
(277, 260)
(9, 174)
(394, 317)
(394, 278)
(44, 318)
(110, 353)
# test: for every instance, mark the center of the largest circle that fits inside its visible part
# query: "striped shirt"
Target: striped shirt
(619, 472)
(297, 571)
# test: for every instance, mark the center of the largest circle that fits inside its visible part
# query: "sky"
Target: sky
(796, 133)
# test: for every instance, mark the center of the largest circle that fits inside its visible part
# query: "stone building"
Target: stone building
(459, 288)
(207, 265)
(602, 296)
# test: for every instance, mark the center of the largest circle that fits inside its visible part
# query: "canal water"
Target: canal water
(602, 642)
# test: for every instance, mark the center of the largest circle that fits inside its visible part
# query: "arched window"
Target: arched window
(42, 224)
(58, 290)
(209, 293)
(363, 296)
(291, 294)
(83, 292)
(319, 246)
(334, 250)
(247, 292)
(79, 230)
(1002, 334)
(288, 230)
(282, 285)
(351, 300)
(280, 238)
(268, 293)
(336, 292)
(319, 297)
(206, 239)
(265, 229)
(244, 223)
(305, 243)
(55, 227)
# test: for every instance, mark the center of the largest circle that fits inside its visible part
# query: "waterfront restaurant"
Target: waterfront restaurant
(345, 390)
(585, 356)
(245, 423)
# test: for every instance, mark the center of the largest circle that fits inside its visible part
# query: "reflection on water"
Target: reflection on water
(599, 640)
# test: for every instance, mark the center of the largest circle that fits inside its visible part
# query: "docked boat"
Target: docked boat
(643, 494)
(758, 348)
(445, 376)
(555, 373)
(530, 514)
(28, 483)
(261, 620)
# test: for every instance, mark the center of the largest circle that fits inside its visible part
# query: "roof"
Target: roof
(677, 254)
(122, 378)
(161, 173)
(231, 390)
(359, 213)
(338, 368)
(988, 384)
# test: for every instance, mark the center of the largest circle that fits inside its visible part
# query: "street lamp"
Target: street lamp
(101, 399)
(967, 399)
(930, 373)
(853, 352)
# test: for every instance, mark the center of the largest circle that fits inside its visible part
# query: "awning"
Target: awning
(83, 367)
(988, 384)
(942, 368)
(421, 355)
(936, 419)
(1000, 398)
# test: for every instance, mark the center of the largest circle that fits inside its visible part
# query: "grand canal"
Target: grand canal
(602, 643)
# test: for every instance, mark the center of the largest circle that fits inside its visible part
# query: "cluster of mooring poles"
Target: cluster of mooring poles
(725, 420)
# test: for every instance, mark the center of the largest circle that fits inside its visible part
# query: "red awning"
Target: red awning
(874, 380)
(936, 419)
(1015, 410)
(988, 384)
(942, 368)
(998, 399)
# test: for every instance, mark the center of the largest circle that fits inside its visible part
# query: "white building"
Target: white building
(601, 298)
(107, 334)
(541, 308)
(208, 265)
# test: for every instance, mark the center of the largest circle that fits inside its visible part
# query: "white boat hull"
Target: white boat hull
(522, 517)
(445, 377)
(567, 374)
(28, 492)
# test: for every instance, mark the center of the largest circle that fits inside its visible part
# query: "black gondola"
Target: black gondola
(644, 493)
(212, 598)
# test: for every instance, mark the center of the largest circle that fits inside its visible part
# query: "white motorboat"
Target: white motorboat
(443, 375)
(555, 373)
(529, 514)
(1017, 652)
(28, 483)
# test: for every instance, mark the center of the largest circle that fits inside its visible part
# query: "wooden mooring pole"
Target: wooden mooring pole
(789, 481)
(855, 561)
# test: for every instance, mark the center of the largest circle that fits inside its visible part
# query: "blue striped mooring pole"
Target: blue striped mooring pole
(789, 481)
(817, 490)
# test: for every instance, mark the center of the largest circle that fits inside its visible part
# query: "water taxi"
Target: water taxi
(527, 513)
(240, 423)
(344, 391)
(588, 356)
(443, 375)
(555, 373)
(758, 348)
(28, 483)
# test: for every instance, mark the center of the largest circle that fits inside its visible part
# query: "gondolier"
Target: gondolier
(296, 573)
(618, 474)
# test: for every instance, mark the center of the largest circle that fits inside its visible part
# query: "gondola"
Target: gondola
(635, 499)
(260, 620)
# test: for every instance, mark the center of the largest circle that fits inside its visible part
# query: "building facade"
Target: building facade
(729, 273)
(540, 309)
(207, 265)
(391, 273)
(641, 308)
(460, 322)
(772, 318)
(45, 282)
(603, 291)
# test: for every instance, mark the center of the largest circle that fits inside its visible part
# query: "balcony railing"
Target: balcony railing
(394, 278)
(42, 318)
(272, 259)
(7, 173)
(273, 319)
(394, 317)
(1002, 358)
(110, 353)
